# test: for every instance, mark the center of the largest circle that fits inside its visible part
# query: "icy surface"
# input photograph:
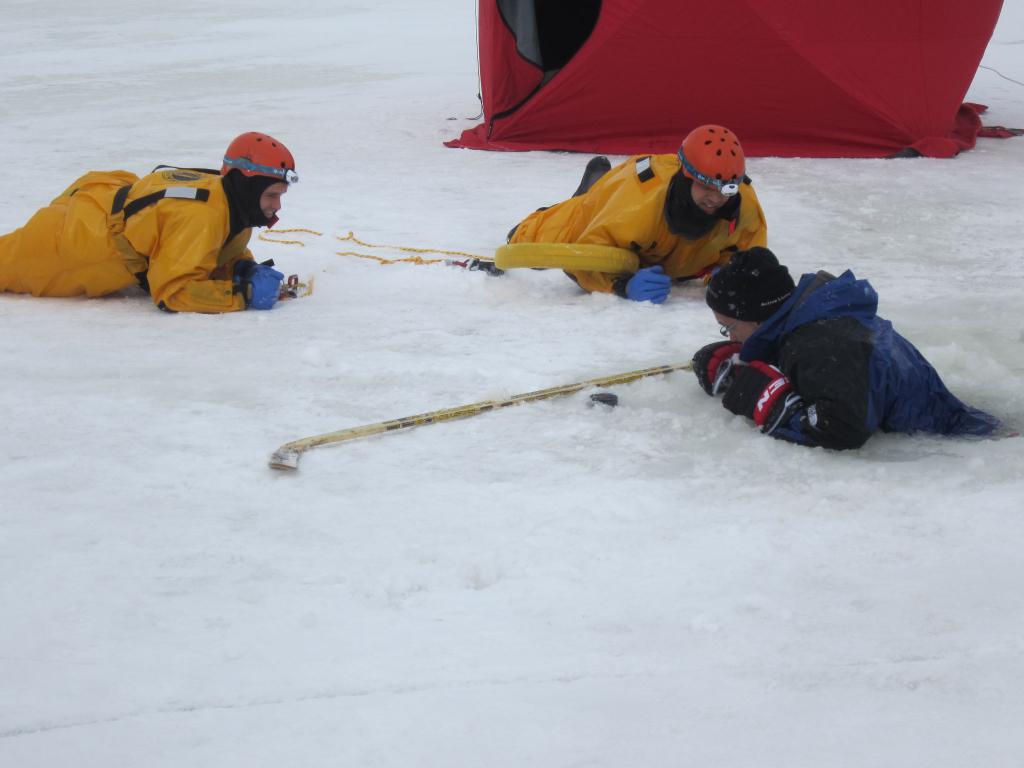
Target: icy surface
(551, 585)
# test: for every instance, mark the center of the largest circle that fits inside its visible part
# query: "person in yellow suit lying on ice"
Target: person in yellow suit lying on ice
(182, 234)
(682, 214)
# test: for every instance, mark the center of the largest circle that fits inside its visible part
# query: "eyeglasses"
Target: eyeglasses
(726, 188)
(725, 330)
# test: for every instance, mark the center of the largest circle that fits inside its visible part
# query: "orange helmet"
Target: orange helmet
(712, 155)
(256, 154)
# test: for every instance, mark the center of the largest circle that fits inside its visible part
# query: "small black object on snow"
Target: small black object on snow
(605, 398)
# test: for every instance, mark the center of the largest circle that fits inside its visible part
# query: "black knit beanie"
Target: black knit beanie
(752, 286)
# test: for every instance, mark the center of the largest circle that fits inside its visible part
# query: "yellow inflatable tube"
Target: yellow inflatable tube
(574, 257)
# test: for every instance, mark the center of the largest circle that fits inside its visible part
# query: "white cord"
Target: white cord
(993, 69)
(479, 71)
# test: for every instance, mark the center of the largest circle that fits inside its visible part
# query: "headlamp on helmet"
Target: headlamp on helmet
(712, 155)
(257, 154)
(727, 188)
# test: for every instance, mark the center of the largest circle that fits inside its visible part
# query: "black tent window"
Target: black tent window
(549, 32)
(563, 26)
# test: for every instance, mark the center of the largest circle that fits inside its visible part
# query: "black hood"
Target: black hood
(244, 193)
(687, 219)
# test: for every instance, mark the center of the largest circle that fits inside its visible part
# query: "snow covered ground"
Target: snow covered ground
(551, 585)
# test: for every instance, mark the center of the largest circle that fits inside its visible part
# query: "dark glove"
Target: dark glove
(260, 284)
(762, 392)
(649, 284)
(714, 364)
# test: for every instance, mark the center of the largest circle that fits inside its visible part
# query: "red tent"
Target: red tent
(808, 78)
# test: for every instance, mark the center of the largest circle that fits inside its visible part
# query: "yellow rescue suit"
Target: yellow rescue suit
(111, 230)
(626, 208)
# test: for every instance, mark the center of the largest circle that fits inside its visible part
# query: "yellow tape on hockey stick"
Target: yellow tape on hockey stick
(570, 256)
(287, 456)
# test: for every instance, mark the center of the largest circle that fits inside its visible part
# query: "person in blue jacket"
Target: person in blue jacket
(814, 364)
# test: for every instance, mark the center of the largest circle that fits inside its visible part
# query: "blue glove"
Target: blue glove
(649, 284)
(259, 284)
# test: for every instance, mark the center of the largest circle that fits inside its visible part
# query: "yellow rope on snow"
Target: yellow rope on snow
(351, 237)
(385, 262)
(266, 239)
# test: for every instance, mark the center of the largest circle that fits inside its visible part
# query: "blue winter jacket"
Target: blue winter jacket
(854, 373)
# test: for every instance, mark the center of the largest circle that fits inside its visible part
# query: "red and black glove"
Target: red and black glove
(763, 393)
(713, 365)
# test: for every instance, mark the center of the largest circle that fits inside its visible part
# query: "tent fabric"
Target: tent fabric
(791, 77)
(962, 136)
(512, 74)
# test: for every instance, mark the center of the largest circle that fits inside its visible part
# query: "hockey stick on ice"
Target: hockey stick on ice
(287, 456)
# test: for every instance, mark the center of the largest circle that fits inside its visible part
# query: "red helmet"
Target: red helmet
(712, 155)
(256, 154)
